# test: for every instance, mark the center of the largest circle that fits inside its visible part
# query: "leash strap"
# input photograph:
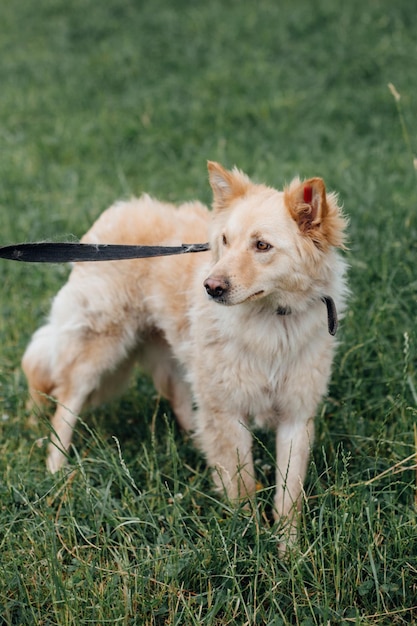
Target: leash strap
(78, 252)
(47, 252)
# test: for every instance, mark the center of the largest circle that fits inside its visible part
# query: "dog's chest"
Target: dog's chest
(244, 363)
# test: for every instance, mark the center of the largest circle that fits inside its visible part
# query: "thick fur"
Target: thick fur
(209, 327)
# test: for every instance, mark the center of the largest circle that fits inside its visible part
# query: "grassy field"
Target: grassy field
(101, 100)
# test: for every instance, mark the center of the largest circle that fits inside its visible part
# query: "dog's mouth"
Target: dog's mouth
(252, 297)
(255, 295)
(225, 298)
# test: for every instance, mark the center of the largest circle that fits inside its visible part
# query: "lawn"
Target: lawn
(103, 100)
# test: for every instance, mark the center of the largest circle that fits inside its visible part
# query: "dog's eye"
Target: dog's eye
(262, 246)
(224, 240)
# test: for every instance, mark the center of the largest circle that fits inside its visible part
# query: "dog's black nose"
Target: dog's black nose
(216, 287)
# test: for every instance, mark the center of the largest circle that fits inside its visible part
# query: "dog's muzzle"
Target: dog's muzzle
(217, 288)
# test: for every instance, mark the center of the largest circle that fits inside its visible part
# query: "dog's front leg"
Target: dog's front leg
(293, 442)
(227, 444)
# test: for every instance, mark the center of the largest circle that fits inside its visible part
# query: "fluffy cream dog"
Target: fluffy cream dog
(240, 332)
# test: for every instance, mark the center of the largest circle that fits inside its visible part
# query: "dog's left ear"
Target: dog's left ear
(226, 185)
(316, 212)
(307, 203)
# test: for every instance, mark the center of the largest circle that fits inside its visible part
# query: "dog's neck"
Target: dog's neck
(332, 322)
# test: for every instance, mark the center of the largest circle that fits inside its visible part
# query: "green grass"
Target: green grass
(104, 100)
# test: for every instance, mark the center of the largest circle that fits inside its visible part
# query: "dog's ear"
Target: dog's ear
(317, 213)
(307, 203)
(226, 185)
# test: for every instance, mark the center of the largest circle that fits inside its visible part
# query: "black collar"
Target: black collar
(332, 322)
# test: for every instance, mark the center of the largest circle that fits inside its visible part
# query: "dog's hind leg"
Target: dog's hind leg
(76, 369)
(172, 386)
(62, 425)
(91, 381)
(169, 379)
(36, 366)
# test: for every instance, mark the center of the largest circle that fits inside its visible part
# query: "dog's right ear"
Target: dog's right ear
(226, 185)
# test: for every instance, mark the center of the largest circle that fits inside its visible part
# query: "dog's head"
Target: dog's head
(270, 244)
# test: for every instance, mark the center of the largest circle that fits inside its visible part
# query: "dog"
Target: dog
(233, 337)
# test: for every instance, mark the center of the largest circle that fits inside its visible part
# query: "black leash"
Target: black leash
(47, 252)
(78, 252)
